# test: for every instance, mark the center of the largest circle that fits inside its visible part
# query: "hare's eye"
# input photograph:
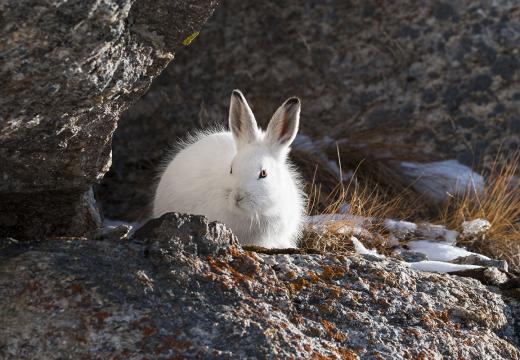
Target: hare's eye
(263, 174)
(231, 170)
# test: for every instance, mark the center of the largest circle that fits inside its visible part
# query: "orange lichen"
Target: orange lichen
(325, 308)
(102, 315)
(297, 319)
(291, 275)
(31, 287)
(318, 356)
(332, 272)
(223, 267)
(332, 331)
(412, 331)
(386, 277)
(437, 320)
(384, 303)
(235, 251)
(77, 288)
(246, 264)
(148, 331)
(100, 318)
(299, 284)
(175, 343)
(313, 277)
(347, 354)
(335, 292)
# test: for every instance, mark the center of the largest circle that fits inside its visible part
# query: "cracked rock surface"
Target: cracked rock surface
(183, 287)
(69, 69)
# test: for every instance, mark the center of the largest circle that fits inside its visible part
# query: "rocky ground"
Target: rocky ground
(431, 73)
(182, 287)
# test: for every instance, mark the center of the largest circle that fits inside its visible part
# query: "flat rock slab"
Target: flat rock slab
(183, 287)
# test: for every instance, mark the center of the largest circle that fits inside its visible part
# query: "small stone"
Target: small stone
(481, 261)
(413, 256)
(191, 233)
(475, 227)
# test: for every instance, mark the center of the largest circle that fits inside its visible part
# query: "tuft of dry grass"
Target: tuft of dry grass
(499, 203)
(365, 206)
(371, 201)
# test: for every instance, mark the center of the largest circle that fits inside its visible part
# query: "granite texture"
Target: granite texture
(183, 288)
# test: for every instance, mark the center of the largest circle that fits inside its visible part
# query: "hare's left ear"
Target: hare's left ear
(283, 126)
(242, 122)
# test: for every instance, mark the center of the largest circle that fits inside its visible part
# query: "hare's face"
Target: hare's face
(255, 177)
(257, 171)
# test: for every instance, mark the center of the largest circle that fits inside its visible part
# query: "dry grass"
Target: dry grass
(366, 205)
(374, 185)
(499, 203)
(369, 200)
(364, 154)
(369, 197)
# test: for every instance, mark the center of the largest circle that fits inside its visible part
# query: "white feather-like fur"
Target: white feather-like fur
(264, 212)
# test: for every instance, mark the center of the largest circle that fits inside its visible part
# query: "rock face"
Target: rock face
(183, 288)
(68, 70)
(439, 77)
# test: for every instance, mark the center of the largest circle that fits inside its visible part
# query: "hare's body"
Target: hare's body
(241, 179)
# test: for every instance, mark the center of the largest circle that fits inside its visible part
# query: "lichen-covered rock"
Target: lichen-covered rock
(183, 288)
(186, 233)
(68, 70)
(440, 77)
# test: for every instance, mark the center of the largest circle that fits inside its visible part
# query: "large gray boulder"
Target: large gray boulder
(399, 80)
(69, 69)
(183, 288)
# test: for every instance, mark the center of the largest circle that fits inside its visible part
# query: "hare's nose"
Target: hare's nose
(239, 198)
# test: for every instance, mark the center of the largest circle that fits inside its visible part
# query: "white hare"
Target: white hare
(241, 178)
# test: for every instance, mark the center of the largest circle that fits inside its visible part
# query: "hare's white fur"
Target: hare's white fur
(219, 174)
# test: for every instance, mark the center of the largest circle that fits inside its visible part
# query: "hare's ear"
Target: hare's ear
(242, 122)
(283, 126)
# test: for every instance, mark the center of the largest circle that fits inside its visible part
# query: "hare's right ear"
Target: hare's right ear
(283, 126)
(242, 122)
